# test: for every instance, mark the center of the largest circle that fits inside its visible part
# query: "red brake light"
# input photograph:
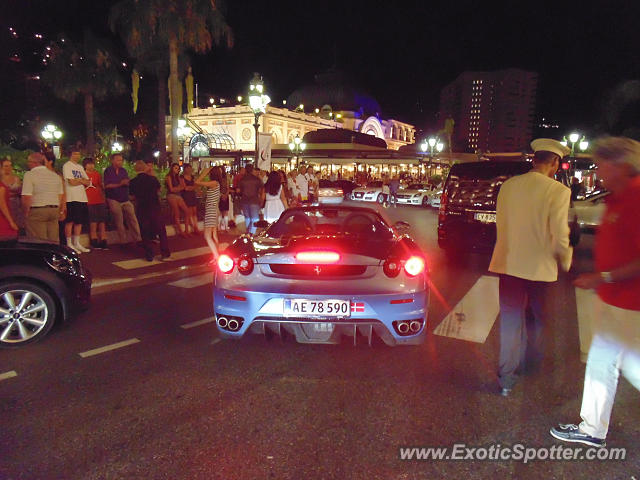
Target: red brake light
(322, 256)
(414, 266)
(225, 263)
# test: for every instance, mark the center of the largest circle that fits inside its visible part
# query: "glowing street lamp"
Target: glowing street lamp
(583, 144)
(51, 133)
(116, 147)
(258, 102)
(430, 146)
(297, 147)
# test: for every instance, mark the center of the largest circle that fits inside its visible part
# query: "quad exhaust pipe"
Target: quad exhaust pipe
(407, 327)
(223, 322)
(233, 325)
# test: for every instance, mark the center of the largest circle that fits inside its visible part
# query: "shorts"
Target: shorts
(98, 213)
(77, 212)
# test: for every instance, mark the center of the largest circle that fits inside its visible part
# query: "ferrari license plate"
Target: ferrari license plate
(297, 307)
(485, 217)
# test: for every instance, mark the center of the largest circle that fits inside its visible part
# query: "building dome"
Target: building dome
(331, 89)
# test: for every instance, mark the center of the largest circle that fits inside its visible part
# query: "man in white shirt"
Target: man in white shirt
(42, 194)
(75, 179)
(532, 239)
(303, 184)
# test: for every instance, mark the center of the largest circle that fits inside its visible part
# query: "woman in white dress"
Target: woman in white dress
(275, 200)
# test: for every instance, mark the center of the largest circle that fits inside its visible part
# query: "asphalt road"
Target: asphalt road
(178, 403)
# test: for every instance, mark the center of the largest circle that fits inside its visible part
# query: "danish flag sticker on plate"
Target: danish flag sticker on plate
(357, 307)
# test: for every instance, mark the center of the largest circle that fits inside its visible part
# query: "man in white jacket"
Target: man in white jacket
(532, 239)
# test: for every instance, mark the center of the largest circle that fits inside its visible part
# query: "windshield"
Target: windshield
(323, 221)
(417, 186)
(374, 184)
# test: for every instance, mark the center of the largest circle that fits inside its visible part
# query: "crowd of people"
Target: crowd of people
(55, 206)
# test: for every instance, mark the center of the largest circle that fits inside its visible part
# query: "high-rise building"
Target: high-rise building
(492, 111)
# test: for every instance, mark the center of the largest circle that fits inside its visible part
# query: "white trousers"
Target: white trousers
(615, 348)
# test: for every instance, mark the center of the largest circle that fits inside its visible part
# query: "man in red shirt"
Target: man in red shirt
(97, 207)
(615, 347)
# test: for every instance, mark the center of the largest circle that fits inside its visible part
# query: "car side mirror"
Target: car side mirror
(401, 227)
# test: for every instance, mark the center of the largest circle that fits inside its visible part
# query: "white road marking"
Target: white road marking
(192, 282)
(6, 375)
(215, 340)
(473, 317)
(108, 348)
(198, 323)
(179, 255)
(109, 281)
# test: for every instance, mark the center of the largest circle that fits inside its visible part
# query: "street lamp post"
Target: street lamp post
(258, 102)
(183, 131)
(431, 145)
(583, 144)
(52, 135)
(297, 147)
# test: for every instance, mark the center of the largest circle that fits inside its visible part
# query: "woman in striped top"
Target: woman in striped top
(212, 201)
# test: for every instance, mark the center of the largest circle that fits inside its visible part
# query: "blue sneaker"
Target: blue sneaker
(572, 433)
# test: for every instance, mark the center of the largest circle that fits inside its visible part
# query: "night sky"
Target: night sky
(402, 53)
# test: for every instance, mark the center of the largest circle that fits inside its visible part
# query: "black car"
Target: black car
(40, 284)
(467, 216)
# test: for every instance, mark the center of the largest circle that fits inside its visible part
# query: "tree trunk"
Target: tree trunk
(90, 143)
(176, 107)
(162, 113)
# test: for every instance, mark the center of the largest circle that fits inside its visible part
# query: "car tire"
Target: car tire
(380, 198)
(28, 327)
(425, 202)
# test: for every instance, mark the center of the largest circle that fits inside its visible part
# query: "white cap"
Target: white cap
(550, 145)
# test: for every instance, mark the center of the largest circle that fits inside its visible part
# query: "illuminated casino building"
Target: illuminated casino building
(329, 103)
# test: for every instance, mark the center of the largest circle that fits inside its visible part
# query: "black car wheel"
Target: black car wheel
(425, 201)
(27, 313)
(381, 198)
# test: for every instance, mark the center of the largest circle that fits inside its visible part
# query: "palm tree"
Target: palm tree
(88, 69)
(176, 25)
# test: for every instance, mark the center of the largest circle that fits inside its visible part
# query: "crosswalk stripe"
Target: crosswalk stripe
(193, 282)
(198, 323)
(7, 375)
(473, 317)
(179, 255)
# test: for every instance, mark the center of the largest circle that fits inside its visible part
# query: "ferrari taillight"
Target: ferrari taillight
(225, 263)
(245, 264)
(318, 256)
(391, 268)
(414, 266)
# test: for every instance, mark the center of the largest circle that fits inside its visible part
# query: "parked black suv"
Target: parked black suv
(467, 216)
(40, 283)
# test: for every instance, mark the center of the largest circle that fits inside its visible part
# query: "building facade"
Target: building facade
(328, 103)
(492, 111)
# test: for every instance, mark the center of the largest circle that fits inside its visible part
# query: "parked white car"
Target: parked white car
(589, 210)
(414, 194)
(373, 192)
(434, 198)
